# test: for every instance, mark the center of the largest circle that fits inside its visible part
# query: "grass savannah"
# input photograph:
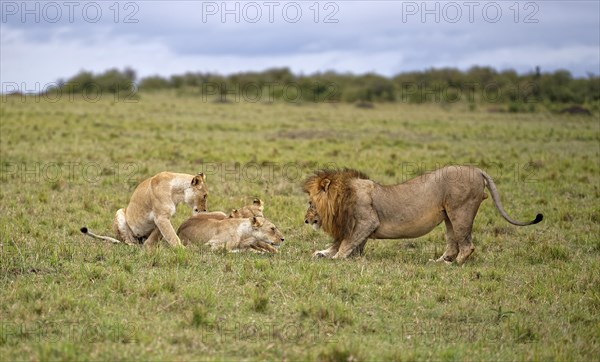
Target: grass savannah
(527, 293)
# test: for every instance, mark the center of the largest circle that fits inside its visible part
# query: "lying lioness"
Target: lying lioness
(255, 209)
(232, 233)
(147, 217)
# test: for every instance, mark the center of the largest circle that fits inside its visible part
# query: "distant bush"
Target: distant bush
(154, 83)
(112, 81)
(477, 85)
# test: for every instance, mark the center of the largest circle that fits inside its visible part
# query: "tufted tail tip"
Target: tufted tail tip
(538, 218)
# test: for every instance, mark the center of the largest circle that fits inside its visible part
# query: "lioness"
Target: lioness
(312, 217)
(232, 233)
(153, 202)
(352, 208)
(254, 209)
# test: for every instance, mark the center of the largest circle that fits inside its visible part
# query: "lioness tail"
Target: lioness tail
(105, 238)
(496, 197)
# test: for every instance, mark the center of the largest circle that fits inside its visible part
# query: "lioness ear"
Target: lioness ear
(256, 222)
(258, 202)
(325, 184)
(199, 178)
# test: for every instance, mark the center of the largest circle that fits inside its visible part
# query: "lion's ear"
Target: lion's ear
(198, 179)
(258, 202)
(256, 222)
(325, 184)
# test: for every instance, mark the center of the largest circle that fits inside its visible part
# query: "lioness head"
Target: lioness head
(254, 209)
(265, 231)
(312, 217)
(199, 194)
(235, 214)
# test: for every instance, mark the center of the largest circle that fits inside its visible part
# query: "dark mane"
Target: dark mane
(334, 198)
(334, 174)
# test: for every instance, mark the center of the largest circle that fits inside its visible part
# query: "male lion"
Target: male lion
(232, 234)
(154, 201)
(352, 208)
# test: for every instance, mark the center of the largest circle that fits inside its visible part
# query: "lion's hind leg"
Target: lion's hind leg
(452, 248)
(462, 225)
(122, 230)
(466, 248)
(152, 239)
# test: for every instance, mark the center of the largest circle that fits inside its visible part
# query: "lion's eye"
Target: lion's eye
(272, 229)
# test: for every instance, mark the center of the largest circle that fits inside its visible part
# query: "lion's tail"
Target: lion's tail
(496, 197)
(105, 238)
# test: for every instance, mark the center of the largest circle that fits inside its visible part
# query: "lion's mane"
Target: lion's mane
(334, 199)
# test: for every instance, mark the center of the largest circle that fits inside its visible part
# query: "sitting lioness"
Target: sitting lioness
(232, 233)
(352, 208)
(147, 217)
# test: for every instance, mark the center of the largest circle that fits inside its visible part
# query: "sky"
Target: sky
(43, 41)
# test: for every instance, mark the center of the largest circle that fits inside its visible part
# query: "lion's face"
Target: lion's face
(199, 194)
(332, 195)
(266, 231)
(312, 217)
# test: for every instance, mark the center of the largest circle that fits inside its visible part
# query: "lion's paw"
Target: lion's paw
(319, 254)
(447, 262)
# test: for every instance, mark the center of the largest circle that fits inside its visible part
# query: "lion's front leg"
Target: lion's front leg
(360, 250)
(262, 246)
(360, 234)
(329, 252)
(166, 229)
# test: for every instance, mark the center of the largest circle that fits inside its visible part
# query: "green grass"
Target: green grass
(526, 294)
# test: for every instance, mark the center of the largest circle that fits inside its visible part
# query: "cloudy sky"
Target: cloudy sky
(42, 41)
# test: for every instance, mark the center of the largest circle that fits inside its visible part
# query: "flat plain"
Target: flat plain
(527, 293)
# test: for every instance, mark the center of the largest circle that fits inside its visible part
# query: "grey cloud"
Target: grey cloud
(373, 34)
